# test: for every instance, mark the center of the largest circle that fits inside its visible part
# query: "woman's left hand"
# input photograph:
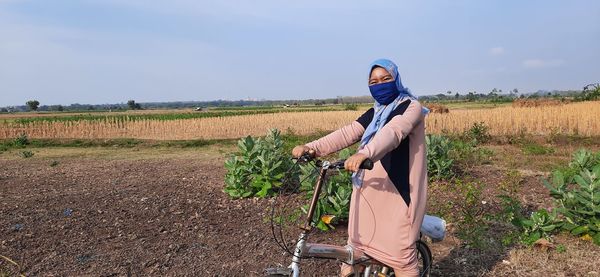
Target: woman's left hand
(353, 163)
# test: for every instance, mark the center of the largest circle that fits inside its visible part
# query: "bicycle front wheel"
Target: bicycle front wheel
(424, 260)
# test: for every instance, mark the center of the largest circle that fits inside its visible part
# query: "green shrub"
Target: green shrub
(439, 163)
(21, 141)
(478, 133)
(334, 201)
(467, 154)
(541, 224)
(259, 166)
(577, 195)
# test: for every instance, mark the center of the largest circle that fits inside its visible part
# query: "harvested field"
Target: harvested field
(139, 212)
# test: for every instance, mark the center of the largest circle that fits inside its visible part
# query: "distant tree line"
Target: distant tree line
(497, 95)
(589, 92)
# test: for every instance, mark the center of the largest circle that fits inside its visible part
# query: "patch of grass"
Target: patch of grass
(350, 107)
(536, 149)
(192, 143)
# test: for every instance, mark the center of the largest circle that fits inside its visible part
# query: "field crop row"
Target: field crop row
(577, 118)
(147, 115)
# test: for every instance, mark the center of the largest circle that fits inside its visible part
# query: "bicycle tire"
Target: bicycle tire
(424, 260)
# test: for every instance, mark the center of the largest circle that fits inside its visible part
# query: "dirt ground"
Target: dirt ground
(132, 212)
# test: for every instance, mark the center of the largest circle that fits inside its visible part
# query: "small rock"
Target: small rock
(68, 212)
(18, 227)
(505, 262)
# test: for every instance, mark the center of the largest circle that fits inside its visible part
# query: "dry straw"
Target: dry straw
(575, 118)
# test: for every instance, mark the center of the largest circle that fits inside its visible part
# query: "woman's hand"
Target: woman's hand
(353, 163)
(300, 150)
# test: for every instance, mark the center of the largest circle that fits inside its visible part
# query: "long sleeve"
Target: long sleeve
(390, 135)
(338, 139)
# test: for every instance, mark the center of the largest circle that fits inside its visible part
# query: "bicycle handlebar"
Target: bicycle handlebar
(366, 164)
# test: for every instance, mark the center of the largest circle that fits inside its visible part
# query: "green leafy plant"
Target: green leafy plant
(577, 196)
(439, 163)
(478, 133)
(467, 154)
(259, 166)
(334, 202)
(21, 141)
(541, 224)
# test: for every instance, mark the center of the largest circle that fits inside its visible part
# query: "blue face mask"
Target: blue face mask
(384, 93)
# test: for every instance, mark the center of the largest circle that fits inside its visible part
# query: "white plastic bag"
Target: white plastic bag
(434, 227)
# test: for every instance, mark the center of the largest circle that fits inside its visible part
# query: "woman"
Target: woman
(388, 202)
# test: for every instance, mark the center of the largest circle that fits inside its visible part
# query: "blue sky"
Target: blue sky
(109, 51)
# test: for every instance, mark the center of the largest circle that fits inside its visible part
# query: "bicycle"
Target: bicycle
(358, 261)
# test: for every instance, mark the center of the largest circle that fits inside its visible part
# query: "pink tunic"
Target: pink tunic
(387, 211)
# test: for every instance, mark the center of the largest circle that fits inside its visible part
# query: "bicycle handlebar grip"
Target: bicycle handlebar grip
(367, 164)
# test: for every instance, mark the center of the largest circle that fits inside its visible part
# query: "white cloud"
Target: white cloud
(496, 51)
(539, 63)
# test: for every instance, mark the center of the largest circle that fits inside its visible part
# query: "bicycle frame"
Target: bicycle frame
(304, 249)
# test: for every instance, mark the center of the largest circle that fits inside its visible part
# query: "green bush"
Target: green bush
(478, 133)
(541, 224)
(334, 201)
(576, 191)
(439, 163)
(21, 141)
(259, 166)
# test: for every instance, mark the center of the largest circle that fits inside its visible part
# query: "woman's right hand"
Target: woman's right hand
(300, 150)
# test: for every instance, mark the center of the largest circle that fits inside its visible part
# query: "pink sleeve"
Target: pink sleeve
(390, 135)
(338, 139)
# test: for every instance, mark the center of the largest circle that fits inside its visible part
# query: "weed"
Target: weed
(21, 141)
(478, 133)
(54, 163)
(26, 154)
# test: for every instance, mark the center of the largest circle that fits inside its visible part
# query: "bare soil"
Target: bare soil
(133, 212)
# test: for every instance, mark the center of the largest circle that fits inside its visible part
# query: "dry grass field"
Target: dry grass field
(574, 118)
